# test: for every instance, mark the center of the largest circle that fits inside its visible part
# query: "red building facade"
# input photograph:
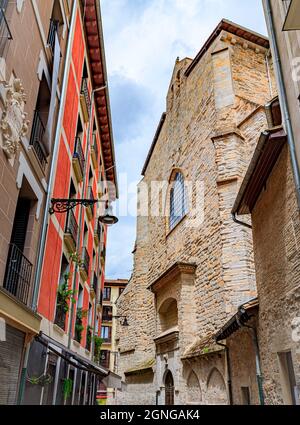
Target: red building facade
(71, 276)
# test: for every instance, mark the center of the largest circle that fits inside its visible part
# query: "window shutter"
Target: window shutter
(20, 223)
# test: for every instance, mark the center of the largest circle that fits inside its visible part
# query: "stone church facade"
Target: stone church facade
(193, 265)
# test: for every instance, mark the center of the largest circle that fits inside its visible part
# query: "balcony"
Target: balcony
(60, 316)
(103, 255)
(94, 286)
(94, 152)
(90, 208)
(89, 336)
(85, 100)
(54, 24)
(5, 34)
(78, 160)
(18, 274)
(85, 267)
(107, 314)
(71, 232)
(36, 140)
(97, 233)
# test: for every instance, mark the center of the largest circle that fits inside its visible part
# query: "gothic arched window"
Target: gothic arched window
(177, 200)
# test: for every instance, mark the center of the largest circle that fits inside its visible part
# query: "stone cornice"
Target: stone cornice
(173, 272)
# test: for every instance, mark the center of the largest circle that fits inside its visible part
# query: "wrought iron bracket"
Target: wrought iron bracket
(64, 205)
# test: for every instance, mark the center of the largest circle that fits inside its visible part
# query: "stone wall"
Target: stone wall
(213, 121)
(276, 223)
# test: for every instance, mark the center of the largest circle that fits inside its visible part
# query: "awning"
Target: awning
(264, 158)
(237, 321)
(71, 357)
(202, 347)
(141, 368)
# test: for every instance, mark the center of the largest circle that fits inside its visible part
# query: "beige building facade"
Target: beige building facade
(268, 193)
(109, 353)
(193, 266)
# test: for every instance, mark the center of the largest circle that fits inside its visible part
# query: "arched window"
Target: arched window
(177, 200)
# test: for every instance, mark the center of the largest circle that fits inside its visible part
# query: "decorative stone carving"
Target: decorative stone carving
(13, 123)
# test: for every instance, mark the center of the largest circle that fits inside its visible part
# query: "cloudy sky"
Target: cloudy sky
(143, 39)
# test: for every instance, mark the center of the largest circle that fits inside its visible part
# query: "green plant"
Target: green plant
(97, 347)
(65, 295)
(67, 388)
(78, 325)
(40, 380)
(89, 335)
(75, 258)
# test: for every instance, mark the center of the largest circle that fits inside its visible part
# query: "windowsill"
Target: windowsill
(175, 227)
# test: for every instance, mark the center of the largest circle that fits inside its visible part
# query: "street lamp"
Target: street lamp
(61, 206)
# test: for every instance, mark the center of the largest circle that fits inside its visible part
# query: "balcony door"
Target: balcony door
(18, 268)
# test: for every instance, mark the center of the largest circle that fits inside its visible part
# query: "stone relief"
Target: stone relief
(13, 123)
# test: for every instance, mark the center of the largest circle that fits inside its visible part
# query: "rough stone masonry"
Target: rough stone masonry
(188, 281)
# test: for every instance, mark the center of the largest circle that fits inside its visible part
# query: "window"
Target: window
(106, 294)
(107, 314)
(246, 396)
(106, 333)
(177, 200)
(121, 290)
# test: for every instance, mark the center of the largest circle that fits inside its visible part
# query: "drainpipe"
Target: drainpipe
(229, 381)
(41, 247)
(283, 97)
(242, 223)
(257, 361)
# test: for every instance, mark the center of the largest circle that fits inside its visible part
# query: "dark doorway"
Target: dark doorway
(169, 388)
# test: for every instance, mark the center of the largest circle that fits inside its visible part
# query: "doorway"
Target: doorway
(169, 389)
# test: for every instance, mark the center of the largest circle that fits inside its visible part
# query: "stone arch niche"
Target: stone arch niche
(194, 394)
(216, 388)
(168, 315)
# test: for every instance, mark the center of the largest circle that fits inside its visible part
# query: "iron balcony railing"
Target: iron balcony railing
(51, 36)
(72, 226)
(95, 283)
(85, 93)
(60, 316)
(89, 336)
(92, 198)
(95, 146)
(5, 33)
(18, 274)
(98, 230)
(78, 153)
(107, 315)
(85, 261)
(37, 134)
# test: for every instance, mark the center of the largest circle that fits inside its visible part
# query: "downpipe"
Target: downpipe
(283, 98)
(229, 380)
(257, 362)
(242, 223)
